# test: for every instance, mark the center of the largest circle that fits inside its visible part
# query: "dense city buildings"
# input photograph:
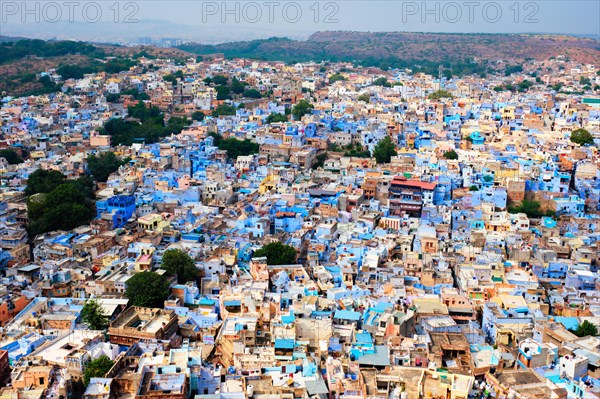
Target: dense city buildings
(234, 229)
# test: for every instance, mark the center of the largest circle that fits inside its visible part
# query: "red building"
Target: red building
(406, 197)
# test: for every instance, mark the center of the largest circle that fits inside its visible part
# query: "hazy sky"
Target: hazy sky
(215, 21)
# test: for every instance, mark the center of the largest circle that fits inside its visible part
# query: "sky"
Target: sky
(220, 21)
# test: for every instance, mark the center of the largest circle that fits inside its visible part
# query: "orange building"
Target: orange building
(11, 308)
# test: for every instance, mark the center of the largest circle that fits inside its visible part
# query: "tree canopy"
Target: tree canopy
(235, 147)
(150, 128)
(336, 78)
(276, 117)
(384, 150)
(97, 368)
(11, 156)
(364, 97)
(223, 109)
(451, 154)
(357, 150)
(12, 50)
(112, 97)
(382, 82)
(238, 87)
(43, 181)
(586, 329)
(301, 108)
(66, 207)
(438, 94)
(61, 204)
(93, 315)
(178, 263)
(582, 137)
(277, 253)
(531, 208)
(252, 93)
(102, 165)
(198, 116)
(223, 92)
(147, 289)
(219, 80)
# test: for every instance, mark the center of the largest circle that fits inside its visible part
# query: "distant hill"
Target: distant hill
(21, 59)
(405, 49)
(10, 38)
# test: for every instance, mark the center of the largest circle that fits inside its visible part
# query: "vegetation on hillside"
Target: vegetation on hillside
(39, 48)
(97, 368)
(582, 137)
(384, 150)
(103, 164)
(149, 125)
(178, 263)
(531, 208)
(11, 156)
(147, 289)
(235, 147)
(60, 204)
(277, 253)
(93, 315)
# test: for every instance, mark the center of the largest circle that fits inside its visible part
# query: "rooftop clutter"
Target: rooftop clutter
(387, 234)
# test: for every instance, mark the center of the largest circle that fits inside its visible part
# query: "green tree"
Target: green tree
(581, 137)
(276, 117)
(336, 78)
(223, 109)
(150, 128)
(170, 78)
(438, 94)
(43, 181)
(175, 125)
(113, 97)
(223, 92)
(252, 93)
(585, 81)
(364, 97)
(219, 80)
(97, 368)
(382, 82)
(301, 108)
(524, 85)
(198, 116)
(473, 188)
(11, 156)
(320, 160)
(238, 87)
(74, 71)
(138, 95)
(357, 150)
(586, 329)
(178, 263)
(509, 70)
(384, 150)
(93, 315)
(102, 165)
(147, 289)
(531, 208)
(67, 206)
(235, 147)
(277, 253)
(451, 154)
